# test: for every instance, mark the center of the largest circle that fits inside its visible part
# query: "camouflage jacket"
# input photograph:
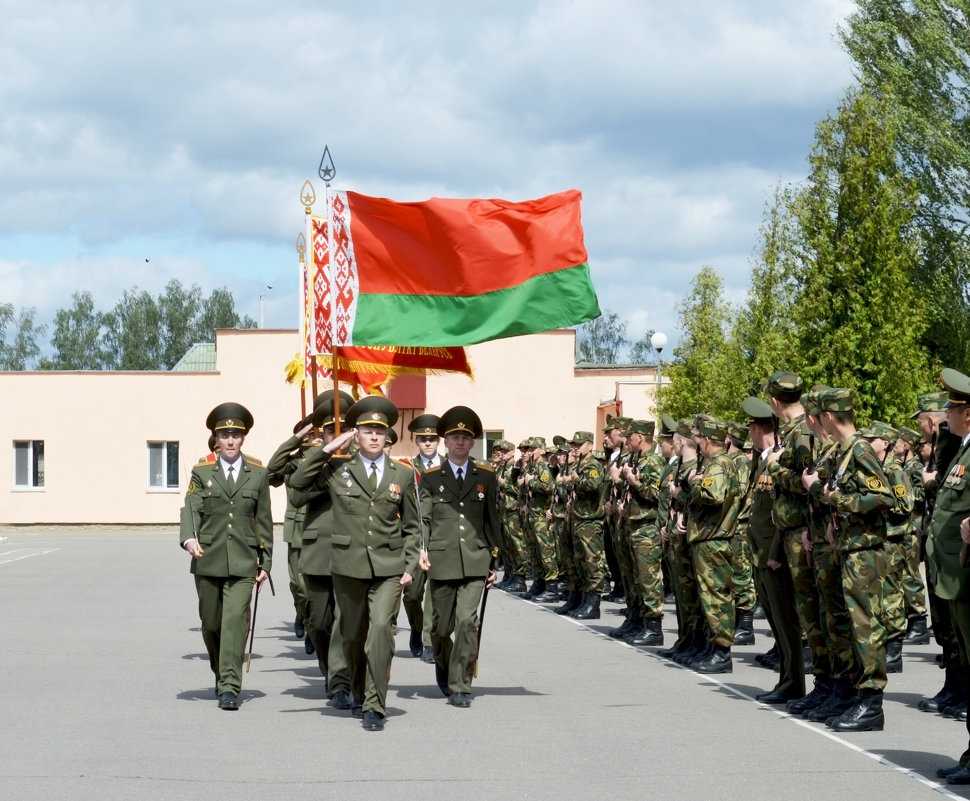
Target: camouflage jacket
(715, 501)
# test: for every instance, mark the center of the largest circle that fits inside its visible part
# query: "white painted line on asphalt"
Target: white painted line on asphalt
(8, 557)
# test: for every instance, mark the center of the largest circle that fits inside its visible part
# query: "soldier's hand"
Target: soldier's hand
(681, 528)
(490, 580)
(807, 541)
(261, 577)
(423, 562)
(406, 579)
(809, 479)
(772, 456)
(965, 530)
(774, 564)
(338, 442)
(548, 514)
(304, 431)
(193, 547)
(830, 534)
(614, 472)
(929, 477)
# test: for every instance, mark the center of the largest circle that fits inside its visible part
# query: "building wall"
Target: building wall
(96, 425)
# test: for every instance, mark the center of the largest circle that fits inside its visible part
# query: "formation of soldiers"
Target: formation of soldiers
(793, 513)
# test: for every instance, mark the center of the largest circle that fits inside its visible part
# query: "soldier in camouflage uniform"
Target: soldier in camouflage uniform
(709, 528)
(513, 556)
(860, 494)
(882, 438)
(745, 595)
(558, 463)
(541, 484)
(618, 566)
(639, 500)
(626, 589)
(835, 674)
(692, 641)
(914, 593)
(948, 538)
(586, 484)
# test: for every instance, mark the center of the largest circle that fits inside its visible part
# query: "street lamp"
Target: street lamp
(262, 298)
(658, 340)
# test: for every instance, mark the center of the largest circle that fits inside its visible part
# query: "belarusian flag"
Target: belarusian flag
(445, 272)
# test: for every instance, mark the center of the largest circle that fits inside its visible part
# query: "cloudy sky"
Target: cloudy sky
(181, 132)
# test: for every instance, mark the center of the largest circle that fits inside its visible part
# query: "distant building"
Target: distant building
(117, 447)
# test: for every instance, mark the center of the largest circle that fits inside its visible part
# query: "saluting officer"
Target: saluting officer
(460, 510)
(227, 527)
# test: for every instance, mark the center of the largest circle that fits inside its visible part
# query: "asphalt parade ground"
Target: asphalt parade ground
(107, 694)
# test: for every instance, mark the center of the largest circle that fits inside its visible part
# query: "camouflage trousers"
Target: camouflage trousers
(545, 544)
(914, 593)
(839, 662)
(715, 582)
(626, 558)
(862, 584)
(567, 556)
(808, 603)
(530, 545)
(297, 586)
(893, 599)
(588, 544)
(745, 596)
(690, 618)
(514, 550)
(648, 549)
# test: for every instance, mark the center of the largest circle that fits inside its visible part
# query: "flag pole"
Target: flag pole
(327, 171)
(308, 198)
(302, 294)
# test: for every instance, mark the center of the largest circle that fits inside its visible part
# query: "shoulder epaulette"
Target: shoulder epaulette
(435, 469)
(206, 461)
(337, 457)
(252, 460)
(403, 463)
(484, 466)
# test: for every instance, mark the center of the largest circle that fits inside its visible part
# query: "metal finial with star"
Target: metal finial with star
(326, 169)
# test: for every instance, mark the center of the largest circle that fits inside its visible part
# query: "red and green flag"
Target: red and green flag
(447, 272)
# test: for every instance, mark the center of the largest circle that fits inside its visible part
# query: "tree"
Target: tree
(600, 341)
(23, 352)
(643, 351)
(914, 56)
(219, 311)
(180, 308)
(703, 374)
(859, 317)
(134, 332)
(764, 329)
(79, 338)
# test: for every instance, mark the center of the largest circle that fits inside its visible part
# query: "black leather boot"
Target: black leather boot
(821, 691)
(632, 621)
(516, 585)
(572, 602)
(865, 714)
(840, 699)
(917, 633)
(538, 587)
(583, 600)
(549, 594)
(744, 628)
(718, 662)
(950, 694)
(650, 634)
(894, 655)
(591, 611)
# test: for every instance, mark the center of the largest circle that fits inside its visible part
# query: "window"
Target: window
(28, 464)
(163, 465)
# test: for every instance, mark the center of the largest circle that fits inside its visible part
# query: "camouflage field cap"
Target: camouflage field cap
(957, 388)
(668, 426)
(620, 424)
(786, 387)
(929, 402)
(503, 445)
(712, 428)
(644, 428)
(880, 430)
(526, 444)
(909, 436)
(811, 399)
(581, 436)
(685, 428)
(757, 410)
(229, 416)
(838, 399)
(560, 442)
(539, 442)
(459, 420)
(610, 423)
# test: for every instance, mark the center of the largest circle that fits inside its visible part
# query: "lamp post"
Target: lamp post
(658, 340)
(262, 299)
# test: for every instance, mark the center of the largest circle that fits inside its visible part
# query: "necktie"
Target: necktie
(461, 480)
(230, 480)
(373, 476)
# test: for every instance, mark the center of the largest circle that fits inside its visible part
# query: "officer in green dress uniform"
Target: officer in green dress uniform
(417, 600)
(309, 486)
(375, 547)
(460, 510)
(949, 535)
(227, 527)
